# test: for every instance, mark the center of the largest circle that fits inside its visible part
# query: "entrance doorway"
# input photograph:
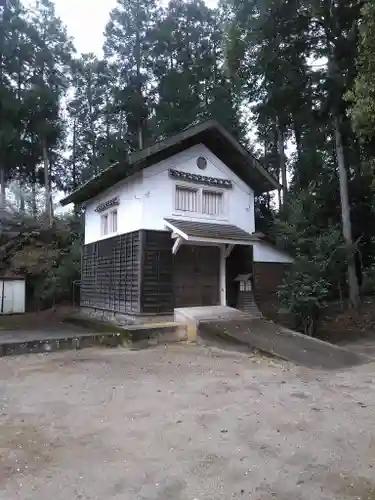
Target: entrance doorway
(197, 276)
(240, 261)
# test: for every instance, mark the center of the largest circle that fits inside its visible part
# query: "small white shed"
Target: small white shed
(12, 295)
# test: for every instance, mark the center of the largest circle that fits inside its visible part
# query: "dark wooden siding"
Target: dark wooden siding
(268, 276)
(110, 274)
(157, 272)
(197, 276)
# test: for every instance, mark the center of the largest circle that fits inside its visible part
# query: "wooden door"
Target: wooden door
(197, 276)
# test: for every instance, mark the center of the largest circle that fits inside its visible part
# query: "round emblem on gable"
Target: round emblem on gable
(201, 162)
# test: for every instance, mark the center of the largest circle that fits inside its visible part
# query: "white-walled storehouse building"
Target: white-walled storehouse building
(174, 226)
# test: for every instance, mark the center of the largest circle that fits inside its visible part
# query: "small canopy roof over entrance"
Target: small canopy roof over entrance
(207, 232)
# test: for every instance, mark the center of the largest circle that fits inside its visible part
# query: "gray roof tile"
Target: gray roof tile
(209, 230)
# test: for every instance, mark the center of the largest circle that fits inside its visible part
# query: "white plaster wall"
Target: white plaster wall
(262, 252)
(129, 210)
(158, 187)
(148, 197)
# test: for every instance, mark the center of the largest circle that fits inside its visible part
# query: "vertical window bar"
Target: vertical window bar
(186, 199)
(212, 203)
(114, 221)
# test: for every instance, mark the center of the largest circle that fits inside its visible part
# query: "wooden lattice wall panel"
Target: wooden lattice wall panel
(111, 274)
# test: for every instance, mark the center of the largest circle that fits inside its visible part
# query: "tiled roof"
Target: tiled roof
(200, 179)
(210, 133)
(208, 230)
(107, 204)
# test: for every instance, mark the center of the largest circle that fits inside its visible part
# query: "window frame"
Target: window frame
(104, 228)
(112, 212)
(199, 213)
(222, 196)
(187, 187)
(107, 223)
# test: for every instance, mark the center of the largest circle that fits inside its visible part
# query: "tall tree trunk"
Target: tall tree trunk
(2, 145)
(2, 189)
(121, 126)
(21, 197)
(107, 126)
(297, 137)
(33, 193)
(282, 164)
(140, 137)
(47, 184)
(279, 195)
(74, 154)
(139, 85)
(74, 168)
(333, 76)
(94, 161)
(50, 188)
(2, 201)
(345, 213)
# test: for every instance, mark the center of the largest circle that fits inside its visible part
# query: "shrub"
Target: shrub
(48, 257)
(304, 294)
(320, 262)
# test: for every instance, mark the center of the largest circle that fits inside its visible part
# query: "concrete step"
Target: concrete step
(144, 335)
(192, 317)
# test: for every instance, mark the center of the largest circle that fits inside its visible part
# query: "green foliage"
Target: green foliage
(304, 294)
(191, 85)
(361, 96)
(127, 47)
(246, 64)
(363, 93)
(55, 285)
(49, 258)
(267, 44)
(293, 62)
(163, 71)
(320, 262)
(34, 54)
(368, 281)
(93, 140)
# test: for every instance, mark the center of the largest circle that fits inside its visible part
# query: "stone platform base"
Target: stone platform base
(92, 333)
(121, 319)
(192, 317)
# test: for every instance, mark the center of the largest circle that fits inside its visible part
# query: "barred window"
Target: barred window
(212, 203)
(186, 199)
(114, 221)
(104, 224)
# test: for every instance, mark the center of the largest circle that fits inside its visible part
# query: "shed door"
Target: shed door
(197, 276)
(12, 296)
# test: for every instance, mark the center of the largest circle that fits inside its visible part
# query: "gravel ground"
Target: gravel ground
(183, 423)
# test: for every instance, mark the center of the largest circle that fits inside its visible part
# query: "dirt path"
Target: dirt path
(183, 423)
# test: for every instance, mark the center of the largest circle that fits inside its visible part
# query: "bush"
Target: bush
(304, 294)
(48, 257)
(320, 263)
(368, 281)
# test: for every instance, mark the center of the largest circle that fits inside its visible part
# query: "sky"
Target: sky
(86, 20)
